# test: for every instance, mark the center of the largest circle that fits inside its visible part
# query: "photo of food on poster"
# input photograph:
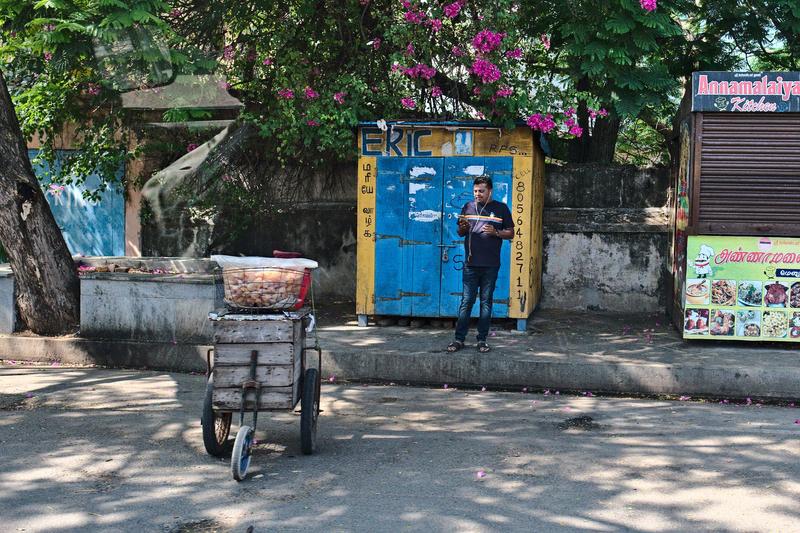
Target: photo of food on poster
(742, 288)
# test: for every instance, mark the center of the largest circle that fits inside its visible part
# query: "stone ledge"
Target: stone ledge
(606, 220)
(510, 370)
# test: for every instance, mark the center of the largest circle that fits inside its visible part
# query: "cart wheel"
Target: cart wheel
(309, 411)
(216, 426)
(240, 458)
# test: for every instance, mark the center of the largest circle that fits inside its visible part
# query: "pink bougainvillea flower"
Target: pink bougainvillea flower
(436, 91)
(48, 56)
(190, 147)
(592, 113)
(451, 11)
(406, 4)
(487, 40)
(93, 89)
(602, 113)
(504, 92)
(487, 71)
(414, 17)
(376, 43)
(545, 39)
(310, 94)
(435, 25)
(175, 12)
(420, 70)
(539, 122)
(577, 131)
(648, 5)
(409, 103)
(228, 53)
(339, 97)
(395, 67)
(409, 50)
(516, 53)
(570, 111)
(476, 91)
(286, 94)
(267, 61)
(312, 123)
(458, 52)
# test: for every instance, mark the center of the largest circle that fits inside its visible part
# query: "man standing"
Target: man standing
(483, 223)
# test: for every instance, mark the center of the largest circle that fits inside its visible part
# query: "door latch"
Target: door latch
(444, 247)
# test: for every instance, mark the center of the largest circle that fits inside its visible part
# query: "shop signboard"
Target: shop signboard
(746, 92)
(742, 288)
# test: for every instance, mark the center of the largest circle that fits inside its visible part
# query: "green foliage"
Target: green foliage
(67, 61)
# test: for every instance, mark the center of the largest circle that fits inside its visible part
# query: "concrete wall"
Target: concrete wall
(167, 308)
(606, 238)
(7, 302)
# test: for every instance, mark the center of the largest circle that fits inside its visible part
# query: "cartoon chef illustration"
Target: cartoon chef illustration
(702, 263)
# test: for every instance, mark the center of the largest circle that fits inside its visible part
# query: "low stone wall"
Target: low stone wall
(152, 307)
(606, 266)
(172, 306)
(7, 303)
(169, 307)
(606, 238)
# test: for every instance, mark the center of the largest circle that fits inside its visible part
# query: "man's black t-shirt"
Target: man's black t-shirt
(483, 248)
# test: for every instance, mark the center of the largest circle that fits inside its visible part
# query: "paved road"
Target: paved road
(86, 449)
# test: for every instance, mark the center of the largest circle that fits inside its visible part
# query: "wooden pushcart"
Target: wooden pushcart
(258, 363)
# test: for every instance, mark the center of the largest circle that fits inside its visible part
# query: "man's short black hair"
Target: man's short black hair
(486, 180)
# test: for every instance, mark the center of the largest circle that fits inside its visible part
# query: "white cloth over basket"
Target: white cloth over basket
(232, 261)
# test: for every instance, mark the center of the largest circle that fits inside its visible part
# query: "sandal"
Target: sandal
(455, 346)
(483, 347)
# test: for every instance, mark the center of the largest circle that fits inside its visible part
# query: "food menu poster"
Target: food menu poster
(742, 288)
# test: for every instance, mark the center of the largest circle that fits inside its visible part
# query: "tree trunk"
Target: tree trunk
(48, 289)
(598, 143)
(604, 139)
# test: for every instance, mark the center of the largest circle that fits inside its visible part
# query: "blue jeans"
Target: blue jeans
(475, 278)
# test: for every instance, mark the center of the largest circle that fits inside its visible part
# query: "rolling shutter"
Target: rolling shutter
(749, 174)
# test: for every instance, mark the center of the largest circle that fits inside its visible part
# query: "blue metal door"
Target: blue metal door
(459, 172)
(88, 227)
(408, 235)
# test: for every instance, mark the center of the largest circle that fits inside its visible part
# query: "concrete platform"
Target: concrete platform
(567, 351)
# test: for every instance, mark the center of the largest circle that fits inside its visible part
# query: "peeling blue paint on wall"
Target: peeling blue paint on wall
(89, 228)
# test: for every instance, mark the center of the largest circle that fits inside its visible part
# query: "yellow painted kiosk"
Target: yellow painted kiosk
(413, 180)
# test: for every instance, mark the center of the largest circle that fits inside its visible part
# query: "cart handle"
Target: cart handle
(208, 361)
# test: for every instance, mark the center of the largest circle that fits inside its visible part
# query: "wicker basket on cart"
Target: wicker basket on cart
(264, 288)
